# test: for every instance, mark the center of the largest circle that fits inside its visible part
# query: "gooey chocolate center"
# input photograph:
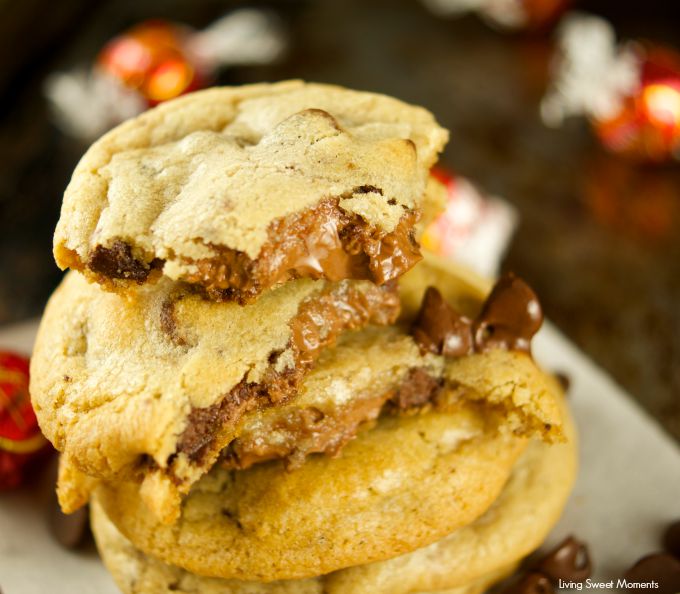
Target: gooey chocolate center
(319, 321)
(508, 319)
(321, 242)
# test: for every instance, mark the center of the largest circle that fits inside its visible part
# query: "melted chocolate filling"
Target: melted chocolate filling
(321, 242)
(508, 319)
(320, 319)
(301, 432)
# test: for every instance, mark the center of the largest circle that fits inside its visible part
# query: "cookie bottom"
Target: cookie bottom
(137, 573)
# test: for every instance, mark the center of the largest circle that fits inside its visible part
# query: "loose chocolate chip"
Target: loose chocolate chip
(509, 318)
(671, 539)
(511, 315)
(568, 561)
(661, 568)
(70, 530)
(564, 379)
(440, 329)
(531, 583)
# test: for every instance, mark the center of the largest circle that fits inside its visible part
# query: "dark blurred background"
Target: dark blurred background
(598, 238)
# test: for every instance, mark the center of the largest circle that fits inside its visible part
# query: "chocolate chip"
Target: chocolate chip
(510, 317)
(564, 380)
(70, 530)
(671, 539)
(440, 329)
(233, 517)
(117, 261)
(531, 583)
(417, 389)
(369, 190)
(568, 561)
(203, 423)
(662, 568)
(168, 321)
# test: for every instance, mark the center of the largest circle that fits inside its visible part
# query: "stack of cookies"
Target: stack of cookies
(257, 381)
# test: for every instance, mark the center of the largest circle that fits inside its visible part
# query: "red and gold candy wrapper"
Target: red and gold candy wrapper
(21, 441)
(473, 228)
(155, 61)
(629, 92)
(647, 125)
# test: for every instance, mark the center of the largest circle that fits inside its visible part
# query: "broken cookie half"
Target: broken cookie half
(237, 190)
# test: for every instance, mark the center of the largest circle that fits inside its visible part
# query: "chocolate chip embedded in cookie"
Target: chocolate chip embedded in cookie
(236, 190)
(154, 387)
